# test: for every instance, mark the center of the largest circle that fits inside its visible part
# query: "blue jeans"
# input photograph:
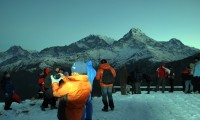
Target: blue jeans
(88, 110)
(107, 93)
(188, 84)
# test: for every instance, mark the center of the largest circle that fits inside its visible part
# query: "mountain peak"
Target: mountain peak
(175, 41)
(135, 30)
(15, 48)
(108, 40)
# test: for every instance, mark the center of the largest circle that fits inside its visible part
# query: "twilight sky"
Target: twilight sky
(37, 24)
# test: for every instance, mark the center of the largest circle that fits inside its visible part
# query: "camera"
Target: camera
(57, 76)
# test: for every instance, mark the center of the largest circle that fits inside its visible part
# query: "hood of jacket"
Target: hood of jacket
(91, 72)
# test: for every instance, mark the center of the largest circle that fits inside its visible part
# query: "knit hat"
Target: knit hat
(79, 67)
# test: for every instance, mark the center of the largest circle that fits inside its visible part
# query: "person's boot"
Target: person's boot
(104, 109)
(42, 108)
(7, 108)
(53, 107)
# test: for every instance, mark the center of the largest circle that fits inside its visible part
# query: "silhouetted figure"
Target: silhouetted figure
(148, 80)
(8, 90)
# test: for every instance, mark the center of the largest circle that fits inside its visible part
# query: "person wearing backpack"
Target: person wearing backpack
(106, 75)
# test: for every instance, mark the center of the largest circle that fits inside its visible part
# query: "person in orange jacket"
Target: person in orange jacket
(105, 73)
(76, 88)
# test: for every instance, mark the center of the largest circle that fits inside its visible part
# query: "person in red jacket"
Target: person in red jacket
(162, 73)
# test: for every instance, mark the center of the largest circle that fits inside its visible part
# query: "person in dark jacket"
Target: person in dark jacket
(131, 81)
(62, 100)
(123, 80)
(138, 77)
(187, 77)
(171, 79)
(8, 90)
(148, 80)
(48, 94)
(46, 100)
(41, 90)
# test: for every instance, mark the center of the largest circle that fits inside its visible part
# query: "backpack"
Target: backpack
(107, 77)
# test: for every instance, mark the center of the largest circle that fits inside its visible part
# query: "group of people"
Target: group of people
(190, 77)
(74, 90)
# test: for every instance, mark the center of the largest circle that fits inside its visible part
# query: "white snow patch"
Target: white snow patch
(154, 106)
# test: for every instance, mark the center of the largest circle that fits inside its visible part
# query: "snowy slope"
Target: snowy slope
(154, 106)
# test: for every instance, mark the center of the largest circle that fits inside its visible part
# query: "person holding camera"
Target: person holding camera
(76, 88)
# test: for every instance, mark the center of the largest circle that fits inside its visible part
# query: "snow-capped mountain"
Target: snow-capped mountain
(133, 46)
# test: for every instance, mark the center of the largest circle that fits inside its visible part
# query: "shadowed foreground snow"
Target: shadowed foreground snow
(156, 106)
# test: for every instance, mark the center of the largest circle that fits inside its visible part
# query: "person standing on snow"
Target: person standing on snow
(171, 79)
(123, 80)
(76, 88)
(196, 74)
(91, 73)
(106, 75)
(138, 77)
(8, 90)
(187, 78)
(148, 80)
(162, 73)
(41, 85)
(41, 81)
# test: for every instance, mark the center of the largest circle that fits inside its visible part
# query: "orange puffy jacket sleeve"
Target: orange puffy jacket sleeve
(64, 89)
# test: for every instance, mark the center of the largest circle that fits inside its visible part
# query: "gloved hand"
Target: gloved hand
(53, 80)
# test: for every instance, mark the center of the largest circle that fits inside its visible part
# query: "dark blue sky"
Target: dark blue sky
(36, 24)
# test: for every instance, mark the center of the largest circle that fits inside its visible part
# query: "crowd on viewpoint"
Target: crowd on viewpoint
(73, 91)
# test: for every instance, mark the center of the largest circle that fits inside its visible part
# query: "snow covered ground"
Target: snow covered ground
(154, 106)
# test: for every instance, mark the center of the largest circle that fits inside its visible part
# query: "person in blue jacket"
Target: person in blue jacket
(196, 74)
(8, 90)
(88, 111)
